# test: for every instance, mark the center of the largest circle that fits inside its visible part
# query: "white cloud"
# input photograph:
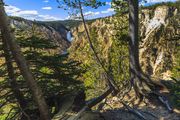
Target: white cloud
(90, 13)
(155, 1)
(96, 13)
(46, 1)
(25, 13)
(14, 11)
(109, 10)
(86, 14)
(11, 9)
(47, 18)
(108, 3)
(28, 14)
(46, 8)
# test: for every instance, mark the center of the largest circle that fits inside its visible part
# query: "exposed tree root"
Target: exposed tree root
(134, 111)
(141, 87)
(95, 101)
(144, 87)
(149, 114)
(142, 84)
(166, 103)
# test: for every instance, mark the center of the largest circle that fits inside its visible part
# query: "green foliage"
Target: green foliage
(56, 74)
(59, 74)
(120, 6)
(175, 89)
(60, 25)
(74, 4)
(119, 53)
(111, 49)
(75, 7)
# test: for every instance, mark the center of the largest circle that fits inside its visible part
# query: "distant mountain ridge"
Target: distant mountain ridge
(58, 35)
(56, 24)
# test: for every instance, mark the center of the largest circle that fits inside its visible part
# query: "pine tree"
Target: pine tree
(21, 62)
(54, 73)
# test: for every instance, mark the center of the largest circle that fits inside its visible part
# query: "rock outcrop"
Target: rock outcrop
(159, 36)
(101, 34)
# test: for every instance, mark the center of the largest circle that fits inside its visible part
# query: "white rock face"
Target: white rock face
(161, 13)
(156, 34)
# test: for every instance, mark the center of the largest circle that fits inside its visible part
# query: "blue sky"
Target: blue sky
(46, 10)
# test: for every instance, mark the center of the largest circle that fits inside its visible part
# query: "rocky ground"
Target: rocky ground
(150, 111)
(112, 109)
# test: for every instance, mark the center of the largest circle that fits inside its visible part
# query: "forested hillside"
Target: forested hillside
(27, 28)
(43, 47)
(159, 45)
(58, 24)
(122, 67)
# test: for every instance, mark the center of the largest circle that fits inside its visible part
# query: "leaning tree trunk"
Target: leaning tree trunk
(12, 80)
(110, 81)
(21, 62)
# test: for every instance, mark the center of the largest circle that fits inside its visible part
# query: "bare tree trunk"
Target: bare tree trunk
(21, 62)
(133, 33)
(110, 79)
(133, 43)
(142, 83)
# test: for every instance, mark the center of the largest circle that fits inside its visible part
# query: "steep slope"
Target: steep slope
(159, 33)
(100, 32)
(27, 28)
(159, 55)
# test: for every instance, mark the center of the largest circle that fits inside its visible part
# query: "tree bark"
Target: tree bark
(133, 43)
(21, 62)
(133, 33)
(141, 82)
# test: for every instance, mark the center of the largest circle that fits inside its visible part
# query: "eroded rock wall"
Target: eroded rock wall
(159, 36)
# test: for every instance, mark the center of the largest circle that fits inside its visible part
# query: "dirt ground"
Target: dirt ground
(159, 112)
(113, 110)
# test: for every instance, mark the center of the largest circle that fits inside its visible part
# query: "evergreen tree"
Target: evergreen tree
(21, 62)
(54, 73)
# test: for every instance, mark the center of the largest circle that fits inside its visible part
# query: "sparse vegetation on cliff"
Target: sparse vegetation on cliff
(44, 76)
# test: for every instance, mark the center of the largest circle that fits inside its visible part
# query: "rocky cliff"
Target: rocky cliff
(160, 35)
(27, 28)
(100, 33)
(159, 39)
